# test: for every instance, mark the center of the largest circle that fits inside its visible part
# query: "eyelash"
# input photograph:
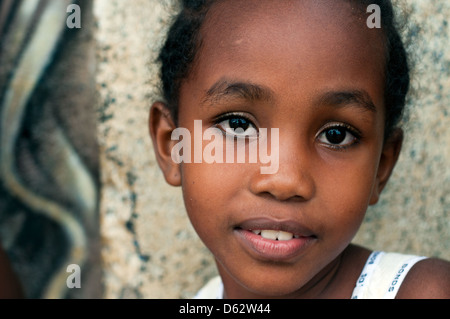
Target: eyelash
(357, 136)
(348, 129)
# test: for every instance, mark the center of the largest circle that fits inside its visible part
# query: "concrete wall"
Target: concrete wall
(149, 247)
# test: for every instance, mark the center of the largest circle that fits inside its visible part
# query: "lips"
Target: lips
(274, 240)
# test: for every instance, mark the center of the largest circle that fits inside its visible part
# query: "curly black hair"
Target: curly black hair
(183, 40)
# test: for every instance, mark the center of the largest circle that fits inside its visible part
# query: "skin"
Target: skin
(299, 78)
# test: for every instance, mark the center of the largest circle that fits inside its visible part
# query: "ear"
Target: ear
(161, 126)
(388, 159)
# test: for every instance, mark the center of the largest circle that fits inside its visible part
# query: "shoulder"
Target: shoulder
(427, 279)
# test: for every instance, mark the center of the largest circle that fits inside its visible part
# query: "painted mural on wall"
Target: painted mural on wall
(48, 151)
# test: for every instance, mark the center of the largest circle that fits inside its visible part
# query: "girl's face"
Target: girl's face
(314, 70)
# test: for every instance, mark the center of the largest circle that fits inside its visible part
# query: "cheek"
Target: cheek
(198, 191)
(207, 192)
(346, 191)
(348, 212)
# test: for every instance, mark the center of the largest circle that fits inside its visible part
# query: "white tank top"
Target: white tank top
(380, 278)
(383, 275)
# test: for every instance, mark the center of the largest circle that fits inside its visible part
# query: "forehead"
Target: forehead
(337, 22)
(297, 38)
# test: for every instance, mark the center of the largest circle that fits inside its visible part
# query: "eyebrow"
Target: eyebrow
(225, 89)
(359, 98)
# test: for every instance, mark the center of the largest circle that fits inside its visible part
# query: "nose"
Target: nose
(293, 181)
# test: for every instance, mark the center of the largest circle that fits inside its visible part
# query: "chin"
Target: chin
(273, 286)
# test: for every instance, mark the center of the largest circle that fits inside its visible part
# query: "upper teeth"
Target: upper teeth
(274, 234)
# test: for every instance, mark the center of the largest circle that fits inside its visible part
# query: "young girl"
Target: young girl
(335, 89)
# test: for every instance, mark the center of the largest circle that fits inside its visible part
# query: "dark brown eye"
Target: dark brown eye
(237, 125)
(338, 136)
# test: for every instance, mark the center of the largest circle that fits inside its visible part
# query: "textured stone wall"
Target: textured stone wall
(150, 250)
(414, 212)
(149, 247)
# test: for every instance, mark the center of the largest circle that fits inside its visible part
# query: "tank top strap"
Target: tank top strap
(400, 276)
(383, 274)
(366, 274)
(212, 290)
